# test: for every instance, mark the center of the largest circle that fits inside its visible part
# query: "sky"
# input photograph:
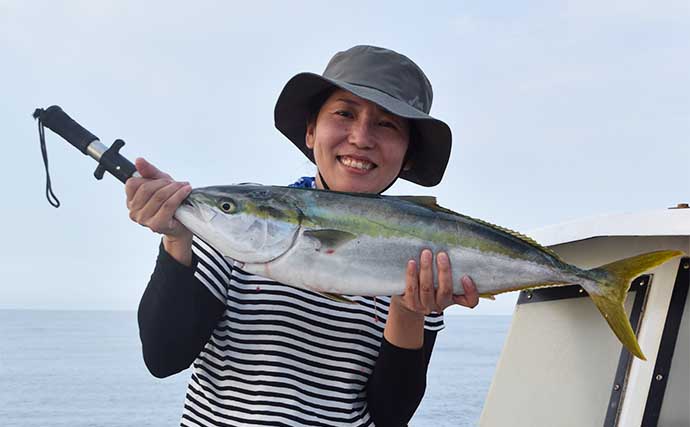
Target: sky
(559, 110)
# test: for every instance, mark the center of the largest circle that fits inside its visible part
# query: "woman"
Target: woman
(269, 354)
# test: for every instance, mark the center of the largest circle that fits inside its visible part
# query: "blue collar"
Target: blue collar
(304, 182)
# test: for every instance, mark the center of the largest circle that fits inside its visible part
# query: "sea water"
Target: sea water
(84, 368)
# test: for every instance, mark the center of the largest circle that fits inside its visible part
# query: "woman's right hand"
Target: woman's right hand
(152, 201)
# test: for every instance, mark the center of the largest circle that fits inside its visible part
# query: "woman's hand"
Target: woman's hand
(420, 294)
(405, 324)
(152, 200)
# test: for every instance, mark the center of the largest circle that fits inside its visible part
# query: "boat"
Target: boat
(562, 366)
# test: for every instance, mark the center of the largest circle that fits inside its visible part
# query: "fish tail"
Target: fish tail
(610, 286)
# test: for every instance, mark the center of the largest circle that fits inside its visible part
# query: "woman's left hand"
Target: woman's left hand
(422, 297)
(405, 324)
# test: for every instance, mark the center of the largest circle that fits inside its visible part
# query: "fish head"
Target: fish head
(248, 223)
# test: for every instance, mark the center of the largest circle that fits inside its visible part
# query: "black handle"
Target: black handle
(59, 122)
(109, 159)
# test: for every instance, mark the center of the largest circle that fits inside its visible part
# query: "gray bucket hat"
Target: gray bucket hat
(386, 78)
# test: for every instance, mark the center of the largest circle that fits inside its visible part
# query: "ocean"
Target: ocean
(84, 368)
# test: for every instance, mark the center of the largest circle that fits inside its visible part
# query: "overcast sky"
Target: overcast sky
(559, 110)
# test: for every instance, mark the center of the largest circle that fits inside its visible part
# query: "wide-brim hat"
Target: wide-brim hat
(386, 78)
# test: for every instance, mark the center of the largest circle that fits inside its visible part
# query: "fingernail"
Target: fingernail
(442, 258)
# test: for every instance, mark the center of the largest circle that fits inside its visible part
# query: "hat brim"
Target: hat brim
(431, 152)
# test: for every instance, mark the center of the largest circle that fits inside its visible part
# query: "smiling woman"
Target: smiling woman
(267, 353)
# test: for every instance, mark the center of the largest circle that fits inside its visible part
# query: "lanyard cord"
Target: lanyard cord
(52, 199)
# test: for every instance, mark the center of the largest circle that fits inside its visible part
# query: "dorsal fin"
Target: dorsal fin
(430, 202)
(520, 236)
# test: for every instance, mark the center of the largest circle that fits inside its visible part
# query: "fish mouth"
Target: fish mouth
(357, 163)
(197, 198)
(196, 209)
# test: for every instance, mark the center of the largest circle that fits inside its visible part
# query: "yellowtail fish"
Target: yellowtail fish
(358, 244)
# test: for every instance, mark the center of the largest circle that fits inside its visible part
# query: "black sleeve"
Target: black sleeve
(177, 315)
(397, 385)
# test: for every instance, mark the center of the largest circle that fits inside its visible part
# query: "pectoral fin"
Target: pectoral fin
(329, 239)
(337, 298)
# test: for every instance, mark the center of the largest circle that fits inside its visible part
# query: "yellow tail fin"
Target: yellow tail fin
(612, 284)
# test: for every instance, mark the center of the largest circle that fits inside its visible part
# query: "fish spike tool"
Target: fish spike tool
(109, 158)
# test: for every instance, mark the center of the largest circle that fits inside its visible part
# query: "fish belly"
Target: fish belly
(370, 266)
(362, 266)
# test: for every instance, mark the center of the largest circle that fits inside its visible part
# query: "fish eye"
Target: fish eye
(227, 206)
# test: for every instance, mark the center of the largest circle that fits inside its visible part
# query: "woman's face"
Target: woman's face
(358, 146)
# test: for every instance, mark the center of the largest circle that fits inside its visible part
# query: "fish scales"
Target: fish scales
(359, 244)
(390, 232)
(389, 215)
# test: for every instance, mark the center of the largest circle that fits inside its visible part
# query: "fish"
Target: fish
(339, 243)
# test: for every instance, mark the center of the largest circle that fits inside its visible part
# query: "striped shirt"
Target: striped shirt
(280, 355)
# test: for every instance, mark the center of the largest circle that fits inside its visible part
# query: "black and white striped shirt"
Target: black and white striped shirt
(282, 355)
